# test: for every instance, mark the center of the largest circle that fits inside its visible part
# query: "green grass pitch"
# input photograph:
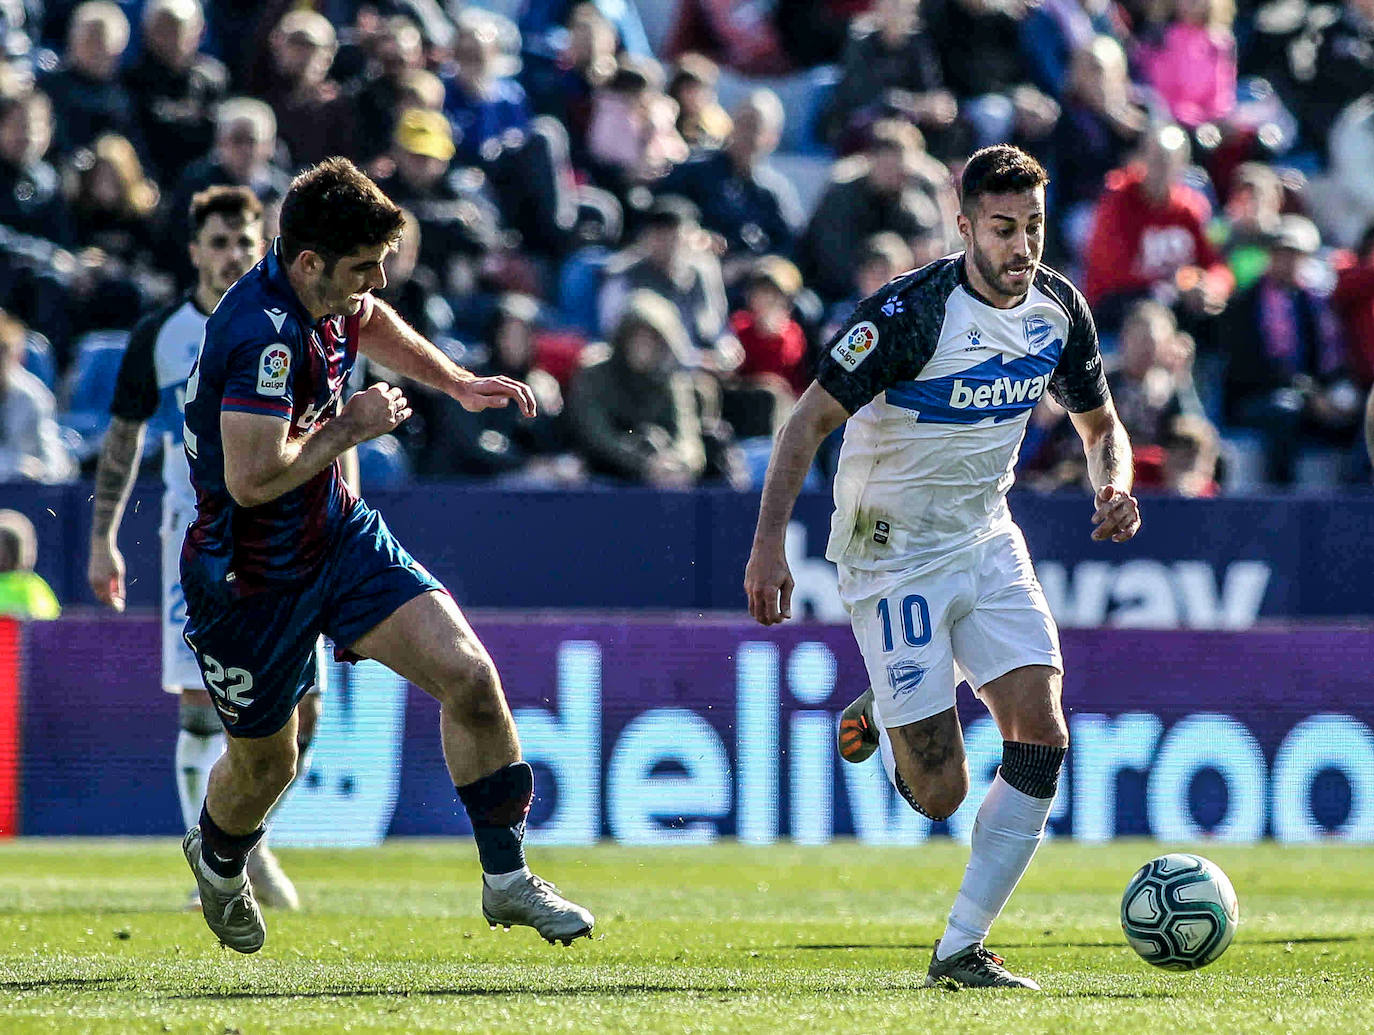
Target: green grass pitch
(722, 938)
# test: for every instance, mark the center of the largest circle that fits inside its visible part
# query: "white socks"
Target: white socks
(502, 881)
(196, 755)
(1006, 834)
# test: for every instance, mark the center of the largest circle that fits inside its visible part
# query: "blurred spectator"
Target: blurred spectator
(397, 52)
(562, 85)
(1151, 380)
(1148, 237)
(114, 206)
(459, 226)
(1287, 376)
(883, 257)
(670, 259)
(499, 441)
(738, 34)
(701, 121)
(634, 412)
(632, 138)
(1251, 218)
(482, 101)
(1099, 129)
(1342, 70)
(31, 446)
(87, 95)
(1353, 301)
(1193, 65)
(1350, 207)
(760, 393)
(894, 186)
(815, 32)
(740, 196)
(35, 222)
(891, 68)
(1189, 456)
(314, 118)
(542, 21)
(1054, 31)
(243, 156)
(174, 87)
(24, 594)
(980, 52)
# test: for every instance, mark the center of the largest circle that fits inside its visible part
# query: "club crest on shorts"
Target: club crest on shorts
(905, 676)
(274, 370)
(855, 347)
(1038, 332)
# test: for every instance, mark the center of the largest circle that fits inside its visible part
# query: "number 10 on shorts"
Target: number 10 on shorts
(915, 617)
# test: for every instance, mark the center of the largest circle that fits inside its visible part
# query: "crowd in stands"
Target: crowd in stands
(657, 215)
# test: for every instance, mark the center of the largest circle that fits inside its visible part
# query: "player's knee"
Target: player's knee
(269, 769)
(936, 795)
(474, 690)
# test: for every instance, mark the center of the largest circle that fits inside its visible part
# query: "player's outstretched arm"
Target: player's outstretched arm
(767, 579)
(261, 463)
(1111, 472)
(114, 478)
(393, 343)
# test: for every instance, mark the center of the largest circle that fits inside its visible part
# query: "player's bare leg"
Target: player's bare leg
(244, 785)
(271, 886)
(1011, 823)
(429, 642)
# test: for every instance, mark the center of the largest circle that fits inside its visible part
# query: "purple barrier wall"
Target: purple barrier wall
(683, 730)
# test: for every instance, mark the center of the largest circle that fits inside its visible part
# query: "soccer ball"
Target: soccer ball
(1179, 912)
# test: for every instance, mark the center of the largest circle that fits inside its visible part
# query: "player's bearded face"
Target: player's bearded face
(1005, 239)
(353, 277)
(225, 250)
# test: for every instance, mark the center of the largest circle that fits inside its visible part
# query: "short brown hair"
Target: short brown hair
(233, 203)
(334, 209)
(1000, 169)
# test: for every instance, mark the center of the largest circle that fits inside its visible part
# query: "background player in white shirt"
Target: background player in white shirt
(227, 240)
(937, 375)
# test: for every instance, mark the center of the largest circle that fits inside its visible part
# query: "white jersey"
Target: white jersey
(941, 386)
(152, 388)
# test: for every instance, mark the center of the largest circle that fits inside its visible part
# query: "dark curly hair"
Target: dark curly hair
(1000, 169)
(334, 209)
(235, 204)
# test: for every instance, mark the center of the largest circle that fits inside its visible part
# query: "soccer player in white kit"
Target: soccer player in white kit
(937, 375)
(227, 240)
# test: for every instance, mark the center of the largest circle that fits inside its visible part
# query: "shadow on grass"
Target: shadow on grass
(56, 984)
(502, 990)
(1313, 939)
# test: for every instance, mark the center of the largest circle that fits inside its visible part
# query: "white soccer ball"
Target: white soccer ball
(1179, 912)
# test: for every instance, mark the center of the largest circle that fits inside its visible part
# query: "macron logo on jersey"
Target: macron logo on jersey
(277, 316)
(994, 388)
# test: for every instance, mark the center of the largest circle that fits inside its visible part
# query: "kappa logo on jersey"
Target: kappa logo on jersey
(893, 306)
(855, 347)
(277, 316)
(905, 677)
(274, 370)
(1038, 332)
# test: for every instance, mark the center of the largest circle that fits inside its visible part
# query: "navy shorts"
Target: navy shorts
(257, 650)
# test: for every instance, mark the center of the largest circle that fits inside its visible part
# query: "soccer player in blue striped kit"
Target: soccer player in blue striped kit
(937, 375)
(281, 551)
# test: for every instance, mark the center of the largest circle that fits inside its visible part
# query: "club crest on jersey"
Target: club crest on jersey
(1038, 333)
(905, 677)
(893, 306)
(854, 347)
(274, 370)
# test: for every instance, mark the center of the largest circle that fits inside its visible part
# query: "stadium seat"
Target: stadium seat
(86, 392)
(383, 464)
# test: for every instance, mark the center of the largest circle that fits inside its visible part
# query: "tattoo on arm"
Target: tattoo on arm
(1109, 460)
(114, 477)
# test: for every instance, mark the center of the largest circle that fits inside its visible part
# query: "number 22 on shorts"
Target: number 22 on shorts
(915, 618)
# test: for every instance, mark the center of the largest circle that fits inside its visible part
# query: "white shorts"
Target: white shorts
(179, 667)
(975, 615)
(180, 670)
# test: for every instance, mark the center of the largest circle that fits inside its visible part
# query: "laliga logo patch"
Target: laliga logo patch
(274, 370)
(854, 347)
(1038, 331)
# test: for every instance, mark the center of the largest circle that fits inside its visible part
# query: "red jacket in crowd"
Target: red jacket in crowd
(1353, 301)
(783, 353)
(1137, 243)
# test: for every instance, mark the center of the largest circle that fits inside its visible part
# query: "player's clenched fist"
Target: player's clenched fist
(375, 411)
(1117, 516)
(768, 583)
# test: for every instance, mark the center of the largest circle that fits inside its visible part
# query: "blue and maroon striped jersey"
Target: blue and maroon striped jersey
(264, 354)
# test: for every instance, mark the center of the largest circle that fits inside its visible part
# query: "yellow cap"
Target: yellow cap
(425, 133)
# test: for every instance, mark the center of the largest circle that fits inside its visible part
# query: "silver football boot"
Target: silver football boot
(233, 916)
(534, 902)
